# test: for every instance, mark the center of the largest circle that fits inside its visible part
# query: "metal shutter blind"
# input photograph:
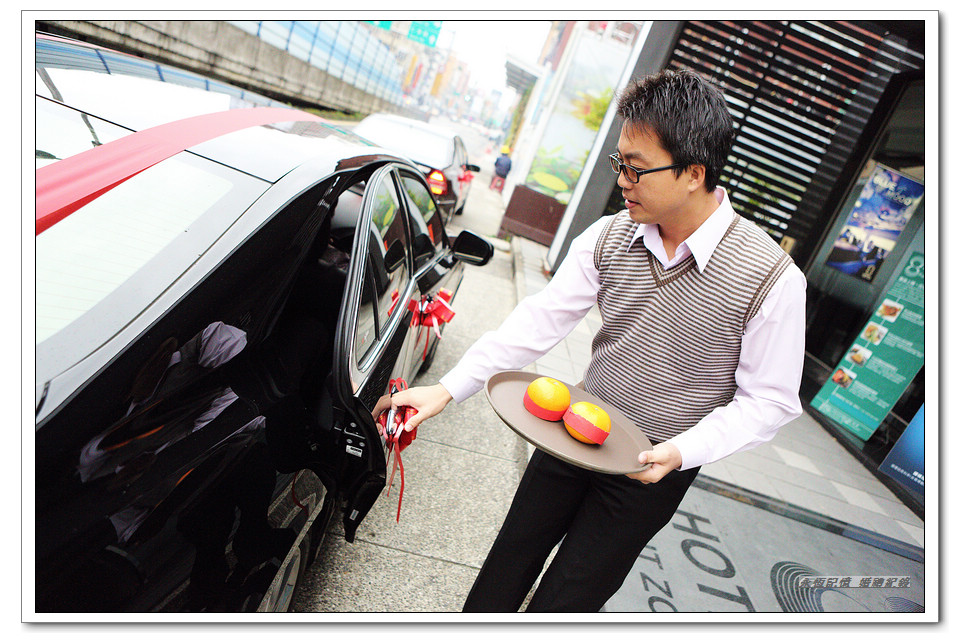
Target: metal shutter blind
(800, 94)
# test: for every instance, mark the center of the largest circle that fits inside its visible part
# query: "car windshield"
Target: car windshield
(417, 143)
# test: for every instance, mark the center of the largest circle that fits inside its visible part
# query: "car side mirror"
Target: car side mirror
(471, 248)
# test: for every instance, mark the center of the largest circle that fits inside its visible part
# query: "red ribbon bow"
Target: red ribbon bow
(391, 423)
(433, 312)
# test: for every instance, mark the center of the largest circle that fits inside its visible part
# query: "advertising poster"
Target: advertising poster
(587, 90)
(882, 361)
(879, 215)
(905, 461)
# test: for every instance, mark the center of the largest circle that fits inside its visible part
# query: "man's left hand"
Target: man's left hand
(664, 458)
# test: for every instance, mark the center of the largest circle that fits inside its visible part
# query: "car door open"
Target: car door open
(370, 343)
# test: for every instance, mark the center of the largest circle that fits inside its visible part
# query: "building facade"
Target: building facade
(829, 158)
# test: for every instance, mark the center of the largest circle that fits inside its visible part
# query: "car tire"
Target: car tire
(293, 568)
(294, 573)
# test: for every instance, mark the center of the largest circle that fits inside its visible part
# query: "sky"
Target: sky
(483, 45)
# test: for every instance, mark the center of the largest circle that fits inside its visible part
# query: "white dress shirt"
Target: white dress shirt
(771, 356)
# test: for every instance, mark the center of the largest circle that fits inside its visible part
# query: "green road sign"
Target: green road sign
(425, 32)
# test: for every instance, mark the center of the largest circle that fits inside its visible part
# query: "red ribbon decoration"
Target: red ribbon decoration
(433, 312)
(394, 298)
(67, 185)
(539, 411)
(585, 428)
(396, 438)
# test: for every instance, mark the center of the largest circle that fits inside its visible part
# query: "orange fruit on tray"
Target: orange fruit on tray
(587, 422)
(547, 398)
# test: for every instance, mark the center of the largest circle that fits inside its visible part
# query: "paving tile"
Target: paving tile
(753, 480)
(340, 582)
(766, 450)
(796, 460)
(916, 533)
(893, 529)
(813, 448)
(860, 498)
(563, 374)
(579, 357)
(854, 515)
(836, 457)
(859, 479)
(594, 320)
(883, 491)
(581, 332)
(717, 470)
(556, 358)
(896, 509)
(805, 480)
(759, 458)
(817, 502)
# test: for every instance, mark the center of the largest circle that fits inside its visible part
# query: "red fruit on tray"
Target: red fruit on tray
(547, 398)
(587, 423)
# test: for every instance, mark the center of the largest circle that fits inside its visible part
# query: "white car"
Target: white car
(440, 153)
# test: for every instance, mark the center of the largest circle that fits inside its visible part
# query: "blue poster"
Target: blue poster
(905, 462)
(880, 214)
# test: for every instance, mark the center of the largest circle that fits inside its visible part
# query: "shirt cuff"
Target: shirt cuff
(459, 386)
(692, 451)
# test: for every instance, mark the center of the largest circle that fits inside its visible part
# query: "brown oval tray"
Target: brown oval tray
(617, 454)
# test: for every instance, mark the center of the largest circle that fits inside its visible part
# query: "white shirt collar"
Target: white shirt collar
(700, 244)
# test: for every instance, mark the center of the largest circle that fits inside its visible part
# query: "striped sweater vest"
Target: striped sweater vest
(668, 348)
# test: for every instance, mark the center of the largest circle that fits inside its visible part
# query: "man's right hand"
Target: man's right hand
(427, 400)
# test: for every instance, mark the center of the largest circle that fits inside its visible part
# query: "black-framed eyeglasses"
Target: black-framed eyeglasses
(633, 174)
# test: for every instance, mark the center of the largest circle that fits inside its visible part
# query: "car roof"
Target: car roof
(422, 142)
(143, 98)
(138, 94)
(412, 122)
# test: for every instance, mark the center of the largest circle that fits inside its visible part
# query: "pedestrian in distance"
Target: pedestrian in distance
(501, 168)
(701, 346)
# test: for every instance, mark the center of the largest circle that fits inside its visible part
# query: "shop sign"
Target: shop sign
(879, 215)
(882, 361)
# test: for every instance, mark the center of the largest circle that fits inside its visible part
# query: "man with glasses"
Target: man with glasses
(701, 346)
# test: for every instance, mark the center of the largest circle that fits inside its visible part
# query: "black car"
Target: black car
(439, 152)
(224, 289)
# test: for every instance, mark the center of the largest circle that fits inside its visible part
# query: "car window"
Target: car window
(366, 327)
(388, 250)
(424, 216)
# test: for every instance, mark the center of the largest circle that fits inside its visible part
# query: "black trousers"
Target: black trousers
(604, 520)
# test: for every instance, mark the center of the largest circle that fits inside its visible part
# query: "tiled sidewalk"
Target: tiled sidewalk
(803, 467)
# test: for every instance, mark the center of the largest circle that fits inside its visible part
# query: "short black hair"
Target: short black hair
(688, 115)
